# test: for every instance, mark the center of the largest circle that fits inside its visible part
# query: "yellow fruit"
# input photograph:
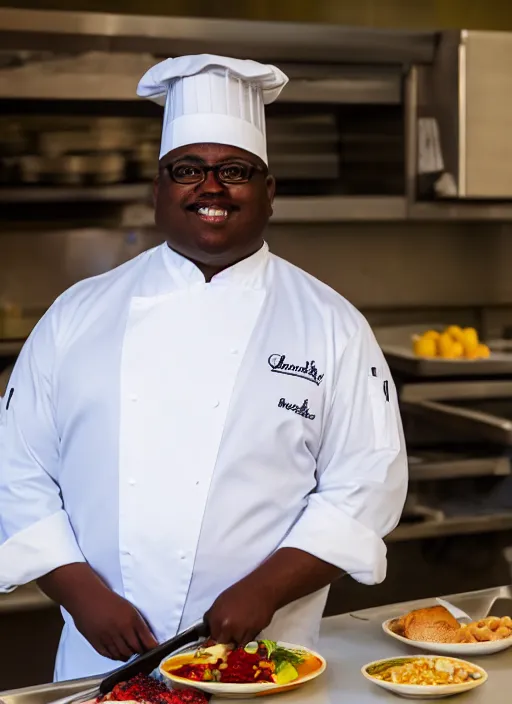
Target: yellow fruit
(469, 340)
(454, 351)
(444, 345)
(424, 347)
(457, 350)
(431, 335)
(483, 352)
(454, 331)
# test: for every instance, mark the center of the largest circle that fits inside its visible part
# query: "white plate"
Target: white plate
(458, 649)
(418, 691)
(227, 690)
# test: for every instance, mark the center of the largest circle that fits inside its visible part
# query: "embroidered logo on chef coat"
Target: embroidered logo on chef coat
(308, 371)
(299, 410)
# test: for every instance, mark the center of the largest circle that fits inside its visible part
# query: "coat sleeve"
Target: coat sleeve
(35, 533)
(361, 468)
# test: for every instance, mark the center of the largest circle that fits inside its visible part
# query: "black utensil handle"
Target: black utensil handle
(145, 664)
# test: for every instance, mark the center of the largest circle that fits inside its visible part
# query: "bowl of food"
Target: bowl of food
(424, 676)
(260, 668)
(436, 630)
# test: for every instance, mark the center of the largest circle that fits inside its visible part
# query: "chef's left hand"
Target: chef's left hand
(239, 614)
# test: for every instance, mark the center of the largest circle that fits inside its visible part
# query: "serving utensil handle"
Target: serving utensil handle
(146, 663)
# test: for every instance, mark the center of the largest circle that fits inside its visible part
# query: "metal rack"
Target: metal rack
(327, 64)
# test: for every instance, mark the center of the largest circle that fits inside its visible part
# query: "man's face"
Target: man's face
(213, 222)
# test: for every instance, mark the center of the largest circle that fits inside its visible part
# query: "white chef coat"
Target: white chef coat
(174, 434)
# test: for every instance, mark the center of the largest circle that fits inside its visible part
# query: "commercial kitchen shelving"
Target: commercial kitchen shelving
(287, 209)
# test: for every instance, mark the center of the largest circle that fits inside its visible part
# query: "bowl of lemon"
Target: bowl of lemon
(453, 343)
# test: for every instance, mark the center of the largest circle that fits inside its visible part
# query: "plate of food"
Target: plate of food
(425, 676)
(436, 630)
(260, 668)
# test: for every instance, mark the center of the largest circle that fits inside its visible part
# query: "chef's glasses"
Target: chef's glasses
(228, 172)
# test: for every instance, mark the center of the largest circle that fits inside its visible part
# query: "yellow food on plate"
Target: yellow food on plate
(452, 343)
(431, 335)
(456, 332)
(445, 344)
(483, 352)
(425, 671)
(425, 347)
(485, 630)
(469, 340)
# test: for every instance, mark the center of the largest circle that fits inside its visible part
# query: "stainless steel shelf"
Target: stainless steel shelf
(324, 209)
(287, 209)
(460, 211)
(459, 468)
(461, 525)
(125, 192)
(172, 36)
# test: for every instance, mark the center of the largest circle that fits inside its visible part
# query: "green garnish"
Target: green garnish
(270, 645)
(383, 666)
(281, 655)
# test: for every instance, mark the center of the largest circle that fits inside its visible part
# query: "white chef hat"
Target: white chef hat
(213, 99)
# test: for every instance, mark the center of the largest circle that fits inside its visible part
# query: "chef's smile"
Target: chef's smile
(212, 212)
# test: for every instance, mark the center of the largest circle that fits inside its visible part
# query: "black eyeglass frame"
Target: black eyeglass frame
(215, 169)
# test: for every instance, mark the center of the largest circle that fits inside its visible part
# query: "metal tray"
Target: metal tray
(45, 693)
(478, 409)
(401, 360)
(396, 344)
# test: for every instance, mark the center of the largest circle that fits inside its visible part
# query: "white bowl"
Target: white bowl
(458, 649)
(420, 691)
(227, 690)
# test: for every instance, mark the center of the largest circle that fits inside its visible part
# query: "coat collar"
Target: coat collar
(247, 273)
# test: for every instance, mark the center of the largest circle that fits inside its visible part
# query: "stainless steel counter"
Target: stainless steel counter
(348, 642)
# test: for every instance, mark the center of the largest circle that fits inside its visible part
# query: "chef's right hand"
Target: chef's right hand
(111, 624)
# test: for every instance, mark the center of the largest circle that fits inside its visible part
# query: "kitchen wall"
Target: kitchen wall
(395, 272)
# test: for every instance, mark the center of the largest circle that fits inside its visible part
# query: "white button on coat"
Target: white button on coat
(303, 450)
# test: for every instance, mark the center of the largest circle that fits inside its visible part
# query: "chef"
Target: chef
(205, 429)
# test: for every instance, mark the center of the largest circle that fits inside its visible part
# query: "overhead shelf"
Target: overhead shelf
(421, 469)
(463, 525)
(325, 209)
(124, 192)
(287, 209)
(173, 36)
(461, 211)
